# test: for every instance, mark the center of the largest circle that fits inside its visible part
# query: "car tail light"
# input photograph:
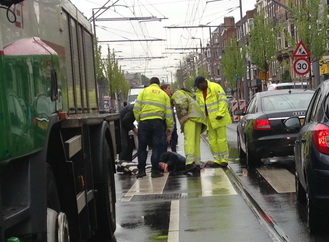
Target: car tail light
(321, 138)
(262, 124)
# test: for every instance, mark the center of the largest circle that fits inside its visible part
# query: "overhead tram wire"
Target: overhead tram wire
(99, 9)
(141, 28)
(152, 5)
(229, 11)
(156, 10)
(192, 18)
(143, 32)
(131, 40)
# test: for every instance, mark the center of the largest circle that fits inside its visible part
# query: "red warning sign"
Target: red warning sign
(301, 50)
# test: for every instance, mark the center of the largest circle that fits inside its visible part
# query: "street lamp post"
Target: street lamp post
(199, 57)
(211, 56)
(245, 83)
(200, 42)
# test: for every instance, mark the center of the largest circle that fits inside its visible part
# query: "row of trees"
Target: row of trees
(307, 20)
(310, 17)
(108, 69)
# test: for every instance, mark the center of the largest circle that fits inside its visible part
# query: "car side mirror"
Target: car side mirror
(292, 123)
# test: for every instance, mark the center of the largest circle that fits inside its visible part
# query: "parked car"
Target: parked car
(312, 158)
(133, 93)
(261, 132)
(287, 85)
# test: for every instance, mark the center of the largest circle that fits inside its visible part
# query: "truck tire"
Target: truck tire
(104, 183)
(57, 224)
(57, 227)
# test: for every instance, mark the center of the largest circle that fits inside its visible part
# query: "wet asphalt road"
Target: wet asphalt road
(234, 204)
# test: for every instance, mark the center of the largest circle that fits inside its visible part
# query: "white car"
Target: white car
(133, 93)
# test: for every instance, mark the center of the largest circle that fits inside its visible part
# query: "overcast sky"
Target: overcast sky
(167, 13)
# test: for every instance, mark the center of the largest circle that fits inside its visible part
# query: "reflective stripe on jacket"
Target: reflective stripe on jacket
(216, 103)
(153, 103)
(187, 106)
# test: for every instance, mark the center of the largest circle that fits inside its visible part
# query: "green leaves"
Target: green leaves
(311, 20)
(232, 61)
(263, 45)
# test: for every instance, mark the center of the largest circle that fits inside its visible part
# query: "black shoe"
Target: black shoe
(120, 169)
(214, 165)
(190, 168)
(223, 164)
(141, 173)
(155, 174)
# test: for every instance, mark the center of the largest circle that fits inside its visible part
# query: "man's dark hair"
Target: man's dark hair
(199, 80)
(154, 80)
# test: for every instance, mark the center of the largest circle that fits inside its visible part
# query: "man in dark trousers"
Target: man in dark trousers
(152, 108)
(127, 123)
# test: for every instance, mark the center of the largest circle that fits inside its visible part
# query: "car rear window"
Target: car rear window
(295, 101)
(292, 86)
(132, 98)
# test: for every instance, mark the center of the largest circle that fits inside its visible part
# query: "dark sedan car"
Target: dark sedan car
(261, 132)
(312, 159)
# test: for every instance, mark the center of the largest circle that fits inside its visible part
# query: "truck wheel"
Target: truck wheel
(63, 228)
(57, 227)
(57, 223)
(103, 175)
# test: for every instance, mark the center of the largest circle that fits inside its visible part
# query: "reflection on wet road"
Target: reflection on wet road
(203, 207)
(186, 208)
(209, 207)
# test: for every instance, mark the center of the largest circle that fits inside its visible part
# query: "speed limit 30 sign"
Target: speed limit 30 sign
(302, 66)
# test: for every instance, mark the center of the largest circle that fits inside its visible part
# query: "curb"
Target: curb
(272, 228)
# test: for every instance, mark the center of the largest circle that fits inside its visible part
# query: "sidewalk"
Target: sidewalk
(232, 126)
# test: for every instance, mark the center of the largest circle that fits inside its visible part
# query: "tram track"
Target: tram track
(274, 231)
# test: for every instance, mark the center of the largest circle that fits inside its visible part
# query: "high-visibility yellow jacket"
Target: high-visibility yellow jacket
(216, 105)
(187, 106)
(153, 103)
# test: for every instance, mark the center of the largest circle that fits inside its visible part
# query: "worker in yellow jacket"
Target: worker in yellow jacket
(193, 123)
(213, 102)
(152, 111)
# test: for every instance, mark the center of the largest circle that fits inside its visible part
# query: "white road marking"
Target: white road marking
(146, 186)
(173, 233)
(214, 182)
(280, 179)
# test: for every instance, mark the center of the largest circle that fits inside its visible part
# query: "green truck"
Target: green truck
(57, 150)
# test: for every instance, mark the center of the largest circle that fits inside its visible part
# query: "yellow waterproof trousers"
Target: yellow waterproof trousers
(218, 144)
(192, 132)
